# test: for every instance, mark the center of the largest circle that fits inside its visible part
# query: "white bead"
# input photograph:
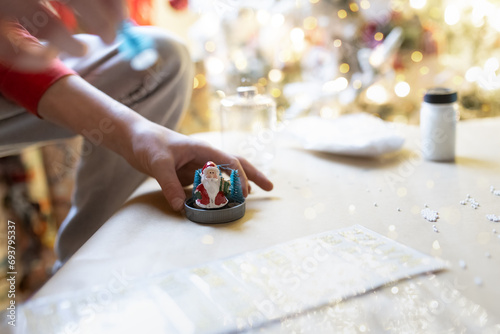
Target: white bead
(478, 281)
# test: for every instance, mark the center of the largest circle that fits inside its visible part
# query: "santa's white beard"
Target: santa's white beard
(212, 186)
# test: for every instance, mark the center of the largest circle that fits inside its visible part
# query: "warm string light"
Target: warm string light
(451, 15)
(215, 65)
(262, 82)
(357, 84)
(210, 46)
(199, 81)
(275, 92)
(297, 39)
(402, 89)
(239, 59)
(417, 56)
(344, 68)
(377, 94)
(310, 23)
(275, 75)
(354, 7)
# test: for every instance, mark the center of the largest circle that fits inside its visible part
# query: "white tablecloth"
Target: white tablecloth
(317, 192)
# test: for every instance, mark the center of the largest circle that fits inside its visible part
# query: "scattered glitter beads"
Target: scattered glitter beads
(494, 192)
(429, 215)
(493, 218)
(375, 204)
(473, 203)
(462, 264)
(434, 227)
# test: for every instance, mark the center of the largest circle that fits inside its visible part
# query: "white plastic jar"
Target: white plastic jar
(438, 119)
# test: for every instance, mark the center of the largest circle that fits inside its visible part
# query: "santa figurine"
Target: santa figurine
(210, 193)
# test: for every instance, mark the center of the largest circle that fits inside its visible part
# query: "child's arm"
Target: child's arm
(169, 157)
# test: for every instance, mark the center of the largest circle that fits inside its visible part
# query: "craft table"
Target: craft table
(317, 192)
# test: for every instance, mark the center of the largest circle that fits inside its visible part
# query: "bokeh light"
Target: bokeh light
(402, 89)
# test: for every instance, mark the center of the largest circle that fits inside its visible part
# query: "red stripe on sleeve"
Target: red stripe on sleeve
(26, 89)
(23, 87)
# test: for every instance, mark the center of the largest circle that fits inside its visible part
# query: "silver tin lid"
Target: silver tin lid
(231, 212)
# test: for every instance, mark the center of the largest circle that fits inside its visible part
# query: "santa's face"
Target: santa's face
(211, 174)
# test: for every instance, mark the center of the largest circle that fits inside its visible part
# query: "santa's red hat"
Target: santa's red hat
(209, 164)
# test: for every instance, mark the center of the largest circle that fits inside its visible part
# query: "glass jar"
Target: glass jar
(248, 124)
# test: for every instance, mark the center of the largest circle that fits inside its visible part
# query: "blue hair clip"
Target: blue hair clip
(139, 48)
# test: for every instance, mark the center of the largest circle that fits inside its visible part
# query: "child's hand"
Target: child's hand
(172, 158)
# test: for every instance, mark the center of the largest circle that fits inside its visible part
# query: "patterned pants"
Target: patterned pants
(104, 180)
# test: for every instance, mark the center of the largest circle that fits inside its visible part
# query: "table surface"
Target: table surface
(317, 192)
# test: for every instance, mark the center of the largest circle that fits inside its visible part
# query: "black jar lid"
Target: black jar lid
(440, 95)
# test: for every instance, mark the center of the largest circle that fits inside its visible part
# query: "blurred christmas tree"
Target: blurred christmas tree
(330, 57)
(235, 191)
(197, 179)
